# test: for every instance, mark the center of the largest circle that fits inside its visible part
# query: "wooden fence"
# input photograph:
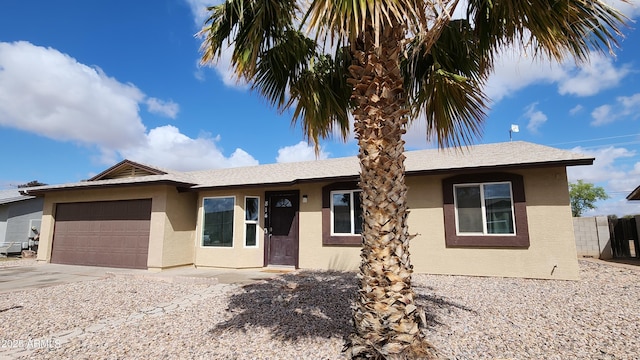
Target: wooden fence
(624, 238)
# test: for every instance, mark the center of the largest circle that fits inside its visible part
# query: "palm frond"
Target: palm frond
(346, 19)
(557, 28)
(250, 26)
(321, 97)
(444, 85)
(280, 65)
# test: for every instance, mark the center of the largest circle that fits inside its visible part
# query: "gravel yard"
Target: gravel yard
(305, 315)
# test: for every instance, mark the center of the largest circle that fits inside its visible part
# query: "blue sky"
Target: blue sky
(85, 84)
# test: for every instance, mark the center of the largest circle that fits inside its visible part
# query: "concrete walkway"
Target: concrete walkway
(27, 274)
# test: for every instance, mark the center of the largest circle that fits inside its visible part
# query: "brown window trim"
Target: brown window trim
(327, 238)
(452, 239)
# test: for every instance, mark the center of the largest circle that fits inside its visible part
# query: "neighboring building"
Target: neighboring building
(635, 194)
(488, 210)
(18, 214)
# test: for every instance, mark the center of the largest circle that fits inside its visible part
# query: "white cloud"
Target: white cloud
(608, 171)
(618, 205)
(630, 104)
(165, 108)
(416, 135)
(591, 78)
(49, 93)
(167, 147)
(199, 10)
(46, 92)
(536, 118)
(603, 168)
(516, 70)
(299, 152)
(624, 106)
(631, 8)
(601, 115)
(576, 110)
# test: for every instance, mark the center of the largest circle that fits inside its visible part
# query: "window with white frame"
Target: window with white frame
(484, 209)
(217, 225)
(346, 212)
(251, 219)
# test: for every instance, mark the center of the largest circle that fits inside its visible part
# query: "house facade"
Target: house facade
(488, 210)
(18, 215)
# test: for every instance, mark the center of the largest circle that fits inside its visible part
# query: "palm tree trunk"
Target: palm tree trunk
(387, 321)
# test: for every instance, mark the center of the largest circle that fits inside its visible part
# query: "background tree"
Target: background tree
(385, 62)
(31, 184)
(584, 196)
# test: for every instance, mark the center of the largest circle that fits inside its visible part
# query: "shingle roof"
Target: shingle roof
(12, 195)
(489, 156)
(510, 154)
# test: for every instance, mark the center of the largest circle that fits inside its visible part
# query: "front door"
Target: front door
(281, 219)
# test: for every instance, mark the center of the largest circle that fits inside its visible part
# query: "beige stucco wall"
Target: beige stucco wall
(179, 229)
(171, 233)
(237, 256)
(551, 254)
(176, 230)
(313, 255)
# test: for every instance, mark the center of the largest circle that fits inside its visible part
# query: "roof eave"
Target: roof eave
(635, 194)
(485, 168)
(273, 184)
(90, 186)
(16, 199)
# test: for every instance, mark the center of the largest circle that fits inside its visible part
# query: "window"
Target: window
(251, 218)
(485, 210)
(346, 213)
(217, 228)
(284, 203)
(341, 214)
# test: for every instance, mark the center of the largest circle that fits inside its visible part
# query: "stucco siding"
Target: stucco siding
(551, 253)
(313, 254)
(158, 194)
(237, 256)
(179, 229)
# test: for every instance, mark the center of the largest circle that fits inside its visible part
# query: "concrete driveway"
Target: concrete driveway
(27, 274)
(30, 275)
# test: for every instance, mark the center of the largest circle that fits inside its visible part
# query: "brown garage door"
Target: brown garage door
(105, 233)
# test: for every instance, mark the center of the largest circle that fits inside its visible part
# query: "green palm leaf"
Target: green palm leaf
(252, 27)
(444, 85)
(557, 28)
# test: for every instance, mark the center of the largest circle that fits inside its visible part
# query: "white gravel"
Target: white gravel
(306, 315)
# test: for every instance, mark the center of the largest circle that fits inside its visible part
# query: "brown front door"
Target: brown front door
(281, 209)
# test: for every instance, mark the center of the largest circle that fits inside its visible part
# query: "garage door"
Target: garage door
(105, 233)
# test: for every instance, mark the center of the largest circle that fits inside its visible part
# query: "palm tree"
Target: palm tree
(386, 62)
